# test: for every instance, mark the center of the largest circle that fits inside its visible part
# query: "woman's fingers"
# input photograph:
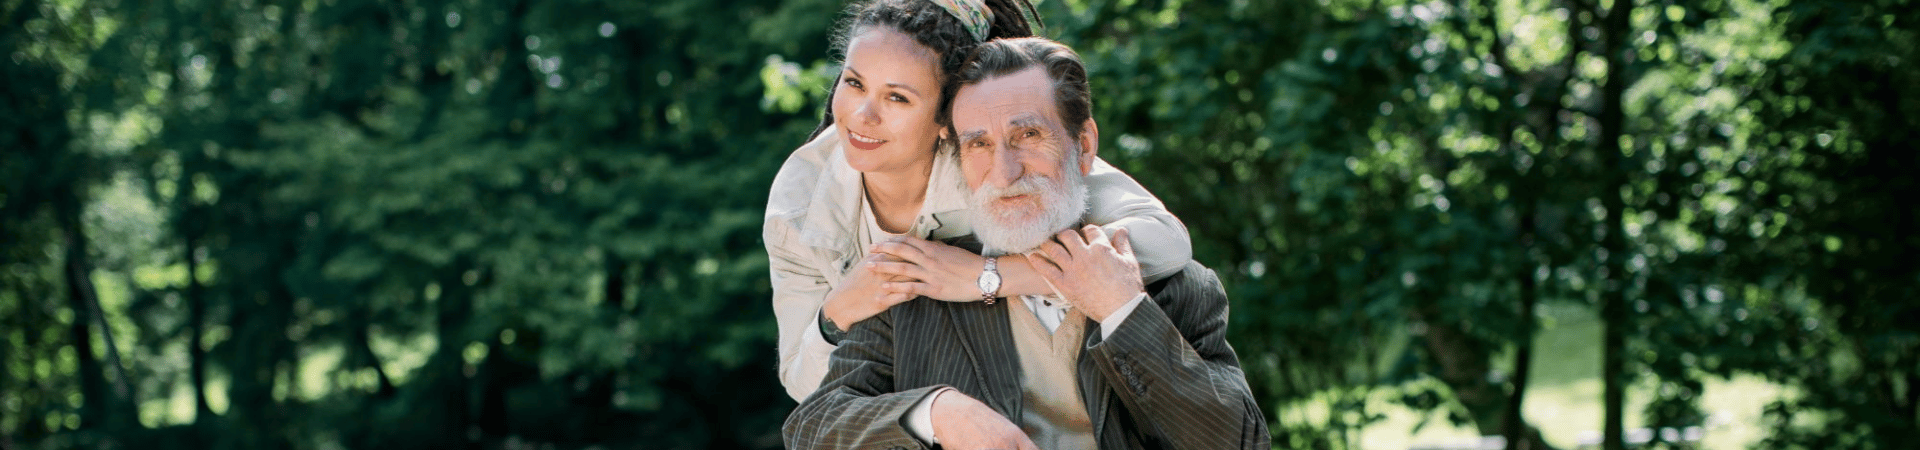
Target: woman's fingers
(895, 298)
(1048, 269)
(1047, 260)
(921, 245)
(902, 250)
(898, 269)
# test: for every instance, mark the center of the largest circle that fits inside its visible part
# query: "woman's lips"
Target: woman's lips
(863, 142)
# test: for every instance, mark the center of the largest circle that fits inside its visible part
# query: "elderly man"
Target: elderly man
(1107, 363)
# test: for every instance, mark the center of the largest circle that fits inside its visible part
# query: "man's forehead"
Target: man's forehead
(1026, 95)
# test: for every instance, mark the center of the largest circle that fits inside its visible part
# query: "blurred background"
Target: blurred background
(356, 224)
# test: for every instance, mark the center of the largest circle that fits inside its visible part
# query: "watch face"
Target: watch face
(989, 282)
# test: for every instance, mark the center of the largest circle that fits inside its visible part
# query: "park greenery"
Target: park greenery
(517, 224)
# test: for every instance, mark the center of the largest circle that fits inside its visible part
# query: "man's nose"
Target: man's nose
(1006, 167)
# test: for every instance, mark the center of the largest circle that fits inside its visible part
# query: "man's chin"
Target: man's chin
(1012, 239)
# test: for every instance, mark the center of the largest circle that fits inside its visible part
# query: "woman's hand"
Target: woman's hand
(859, 295)
(927, 268)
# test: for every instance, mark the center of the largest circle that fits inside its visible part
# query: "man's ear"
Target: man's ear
(1089, 145)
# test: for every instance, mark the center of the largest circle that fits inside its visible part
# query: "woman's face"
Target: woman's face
(886, 102)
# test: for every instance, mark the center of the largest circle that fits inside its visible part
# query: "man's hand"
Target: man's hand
(962, 422)
(1095, 274)
(938, 271)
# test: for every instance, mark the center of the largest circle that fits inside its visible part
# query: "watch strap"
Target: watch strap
(991, 268)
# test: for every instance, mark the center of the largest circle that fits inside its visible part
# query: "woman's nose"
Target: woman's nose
(866, 112)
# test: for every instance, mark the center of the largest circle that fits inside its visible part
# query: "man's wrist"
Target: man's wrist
(1103, 309)
(920, 418)
(1119, 315)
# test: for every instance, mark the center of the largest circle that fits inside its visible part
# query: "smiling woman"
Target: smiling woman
(887, 104)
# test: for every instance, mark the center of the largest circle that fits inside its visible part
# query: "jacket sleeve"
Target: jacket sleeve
(856, 407)
(1115, 201)
(1171, 366)
(798, 291)
(796, 270)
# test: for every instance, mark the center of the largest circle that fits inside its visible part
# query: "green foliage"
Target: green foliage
(471, 222)
(1385, 183)
(457, 223)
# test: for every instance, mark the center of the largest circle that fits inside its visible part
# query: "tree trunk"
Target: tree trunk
(1516, 429)
(1464, 365)
(434, 82)
(601, 386)
(196, 325)
(448, 375)
(363, 344)
(1613, 308)
(105, 403)
(188, 225)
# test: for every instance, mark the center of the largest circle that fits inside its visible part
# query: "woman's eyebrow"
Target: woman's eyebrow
(916, 92)
(910, 89)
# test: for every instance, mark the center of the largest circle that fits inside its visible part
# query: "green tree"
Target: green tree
(1818, 233)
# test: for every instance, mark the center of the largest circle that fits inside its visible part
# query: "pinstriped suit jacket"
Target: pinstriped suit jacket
(1166, 378)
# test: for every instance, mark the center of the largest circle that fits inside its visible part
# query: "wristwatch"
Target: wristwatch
(990, 280)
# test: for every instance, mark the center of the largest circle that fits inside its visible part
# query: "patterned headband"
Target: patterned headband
(973, 14)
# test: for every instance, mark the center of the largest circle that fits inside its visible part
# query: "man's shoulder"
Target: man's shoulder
(1193, 276)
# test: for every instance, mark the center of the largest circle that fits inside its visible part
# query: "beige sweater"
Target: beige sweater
(1054, 415)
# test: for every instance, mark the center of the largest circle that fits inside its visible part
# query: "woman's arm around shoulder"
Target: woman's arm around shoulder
(1160, 241)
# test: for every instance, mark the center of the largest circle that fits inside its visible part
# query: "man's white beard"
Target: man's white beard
(1006, 229)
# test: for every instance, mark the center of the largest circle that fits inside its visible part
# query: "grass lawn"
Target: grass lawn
(1564, 397)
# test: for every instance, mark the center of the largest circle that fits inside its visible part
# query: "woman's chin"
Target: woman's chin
(862, 165)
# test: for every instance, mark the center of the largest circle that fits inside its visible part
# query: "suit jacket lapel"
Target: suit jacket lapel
(987, 337)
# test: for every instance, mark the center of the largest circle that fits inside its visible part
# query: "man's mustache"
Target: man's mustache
(1026, 185)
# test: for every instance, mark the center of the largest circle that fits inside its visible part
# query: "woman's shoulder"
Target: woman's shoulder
(795, 184)
(812, 199)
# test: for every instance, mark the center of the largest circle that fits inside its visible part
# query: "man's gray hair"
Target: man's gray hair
(1002, 57)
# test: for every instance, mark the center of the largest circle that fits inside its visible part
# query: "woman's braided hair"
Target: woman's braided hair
(933, 27)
